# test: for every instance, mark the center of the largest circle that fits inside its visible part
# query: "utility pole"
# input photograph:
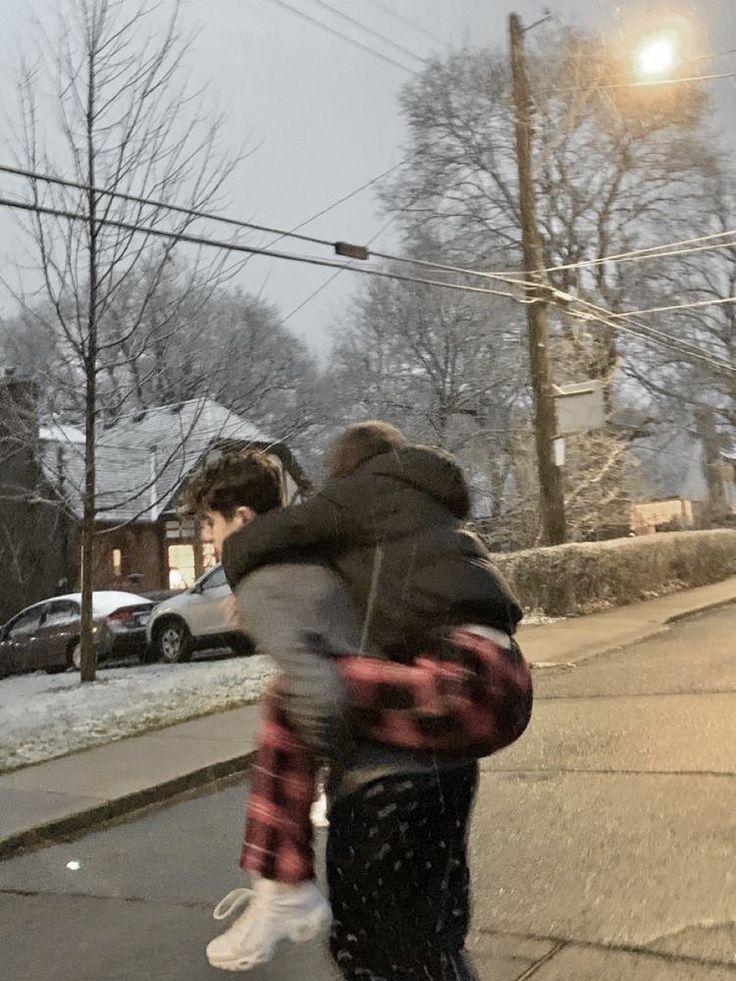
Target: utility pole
(552, 501)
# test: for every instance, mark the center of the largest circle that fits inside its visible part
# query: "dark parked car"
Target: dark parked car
(46, 635)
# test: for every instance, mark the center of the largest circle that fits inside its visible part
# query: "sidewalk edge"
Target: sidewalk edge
(647, 633)
(705, 608)
(52, 831)
(609, 647)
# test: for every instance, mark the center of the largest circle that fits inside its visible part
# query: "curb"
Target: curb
(161, 793)
(60, 828)
(656, 629)
(706, 608)
(609, 648)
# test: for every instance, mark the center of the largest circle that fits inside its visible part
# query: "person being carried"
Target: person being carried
(470, 695)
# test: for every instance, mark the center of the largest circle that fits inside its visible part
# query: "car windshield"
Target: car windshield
(216, 578)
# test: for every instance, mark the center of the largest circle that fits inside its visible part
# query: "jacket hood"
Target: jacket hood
(430, 470)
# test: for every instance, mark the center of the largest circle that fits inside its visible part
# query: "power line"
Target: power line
(363, 187)
(280, 233)
(191, 212)
(406, 21)
(369, 30)
(644, 331)
(250, 250)
(709, 57)
(555, 295)
(670, 345)
(649, 252)
(328, 282)
(640, 257)
(679, 306)
(666, 81)
(198, 213)
(345, 37)
(692, 61)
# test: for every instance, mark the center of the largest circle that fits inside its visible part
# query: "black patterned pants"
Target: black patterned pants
(398, 878)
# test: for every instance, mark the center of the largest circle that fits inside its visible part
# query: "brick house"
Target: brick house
(143, 459)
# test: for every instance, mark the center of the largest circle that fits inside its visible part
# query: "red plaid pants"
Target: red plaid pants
(471, 699)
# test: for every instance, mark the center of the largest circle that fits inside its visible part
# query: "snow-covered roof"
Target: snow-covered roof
(61, 433)
(142, 457)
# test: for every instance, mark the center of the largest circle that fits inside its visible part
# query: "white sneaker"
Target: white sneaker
(275, 912)
(318, 813)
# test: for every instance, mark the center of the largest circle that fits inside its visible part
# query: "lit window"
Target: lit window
(181, 566)
(117, 561)
(208, 555)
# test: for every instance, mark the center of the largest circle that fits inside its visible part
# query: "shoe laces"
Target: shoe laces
(235, 900)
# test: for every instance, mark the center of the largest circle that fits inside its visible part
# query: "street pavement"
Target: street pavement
(604, 845)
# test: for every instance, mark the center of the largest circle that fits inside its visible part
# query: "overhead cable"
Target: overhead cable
(210, 216)
(369, 30)
(201, 240)
(405, 20)
(345, 37)
(720, 301)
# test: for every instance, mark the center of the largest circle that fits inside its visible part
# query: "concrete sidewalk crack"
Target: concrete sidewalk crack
(700, 692)
(552, 771)
(532, 970)
(153, 901)
(637, 950)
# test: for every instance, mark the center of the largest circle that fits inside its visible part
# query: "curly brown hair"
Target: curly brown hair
(248, 479)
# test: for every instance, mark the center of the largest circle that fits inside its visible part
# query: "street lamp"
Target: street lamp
(657, 56)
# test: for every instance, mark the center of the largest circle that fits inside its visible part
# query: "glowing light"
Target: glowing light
(74, 865)
(657, 56)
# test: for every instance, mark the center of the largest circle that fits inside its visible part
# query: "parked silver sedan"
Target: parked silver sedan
(45, 636)
(194, 620)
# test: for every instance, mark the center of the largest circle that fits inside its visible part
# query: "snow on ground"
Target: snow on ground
(539, 619)
(43, 716)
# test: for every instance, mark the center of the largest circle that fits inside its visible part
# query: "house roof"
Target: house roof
(142, 457)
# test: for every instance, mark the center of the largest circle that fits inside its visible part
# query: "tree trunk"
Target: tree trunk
(708, 435)
(89, 654)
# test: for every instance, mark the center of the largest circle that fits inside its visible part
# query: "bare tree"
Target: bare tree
(448, 368)
(123, 121)
(616, 168)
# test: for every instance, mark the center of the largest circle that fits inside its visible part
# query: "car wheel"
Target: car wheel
(172, 641)
(74, 656)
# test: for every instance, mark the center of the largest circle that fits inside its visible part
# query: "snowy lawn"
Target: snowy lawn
(43, 716)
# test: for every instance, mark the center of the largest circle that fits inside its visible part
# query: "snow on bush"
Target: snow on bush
(569, 580)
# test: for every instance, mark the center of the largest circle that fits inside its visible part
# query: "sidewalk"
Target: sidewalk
(43, 802)
(576, 640)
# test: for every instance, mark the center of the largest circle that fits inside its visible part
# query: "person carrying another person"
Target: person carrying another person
(401, 702)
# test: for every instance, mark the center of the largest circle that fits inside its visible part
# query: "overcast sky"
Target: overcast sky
(324, 113)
